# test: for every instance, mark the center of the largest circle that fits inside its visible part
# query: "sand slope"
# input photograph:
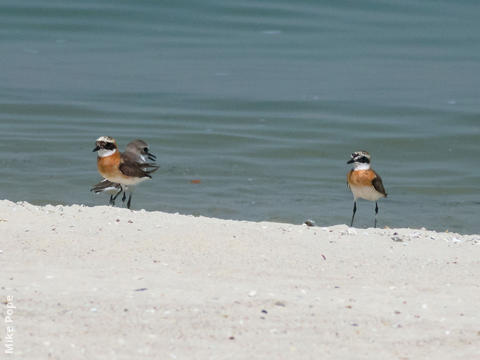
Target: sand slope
(109, 283)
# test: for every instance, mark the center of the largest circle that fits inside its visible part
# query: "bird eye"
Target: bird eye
(145, 149)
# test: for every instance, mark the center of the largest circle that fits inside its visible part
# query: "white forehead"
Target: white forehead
(361, 153)
(106, 139)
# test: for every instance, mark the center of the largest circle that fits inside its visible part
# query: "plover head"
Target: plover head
(140, 148)
(360, 160)
(106, 146)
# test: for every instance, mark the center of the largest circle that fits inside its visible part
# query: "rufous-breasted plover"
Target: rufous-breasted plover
(364, 182)
(138, 150)
(121, 168)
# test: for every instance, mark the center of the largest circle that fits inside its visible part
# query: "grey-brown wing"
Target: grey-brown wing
(149, 167)
(378, 185)
(104, 185)
(131, 165)
(133, 169)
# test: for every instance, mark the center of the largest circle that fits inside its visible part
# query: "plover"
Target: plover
(364, 182)
(137, 150)
(119, 168)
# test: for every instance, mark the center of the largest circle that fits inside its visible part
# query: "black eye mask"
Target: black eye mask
(363, 160)
(109, 146)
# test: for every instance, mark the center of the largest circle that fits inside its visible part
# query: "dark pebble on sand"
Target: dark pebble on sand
(309, 223)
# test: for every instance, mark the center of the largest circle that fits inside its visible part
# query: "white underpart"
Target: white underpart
(104, 153)
(111, 190)
(127, 180)
(365, 192)
(361, 166)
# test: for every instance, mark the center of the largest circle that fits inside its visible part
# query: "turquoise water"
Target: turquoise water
(262, 101)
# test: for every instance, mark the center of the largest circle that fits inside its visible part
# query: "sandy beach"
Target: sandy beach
(109, 283)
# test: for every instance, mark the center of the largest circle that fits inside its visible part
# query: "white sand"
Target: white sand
(109, 283)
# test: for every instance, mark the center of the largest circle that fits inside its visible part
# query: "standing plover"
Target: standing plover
(137, 150)
(140, 150)
(120, 168)
(364, 182)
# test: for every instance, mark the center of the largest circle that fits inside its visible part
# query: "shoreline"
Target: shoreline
(102, 282)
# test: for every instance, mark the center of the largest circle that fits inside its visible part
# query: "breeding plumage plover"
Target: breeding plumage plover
(364, 182)
(122, 170)
(138, 150)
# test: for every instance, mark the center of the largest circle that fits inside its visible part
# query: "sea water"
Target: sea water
(252, 107)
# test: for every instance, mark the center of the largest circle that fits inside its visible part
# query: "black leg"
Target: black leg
(354, 210)
(376, 212)
(129, 200)
(116, 195)
(124, 197)
(112, 200)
